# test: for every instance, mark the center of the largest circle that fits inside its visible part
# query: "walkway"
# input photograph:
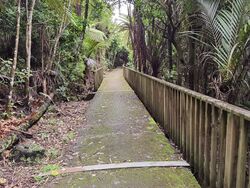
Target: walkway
(119, 129)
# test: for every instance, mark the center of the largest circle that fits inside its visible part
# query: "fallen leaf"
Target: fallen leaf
(54, 173)
(3, 181)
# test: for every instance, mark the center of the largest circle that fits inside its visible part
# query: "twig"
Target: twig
(26, 134)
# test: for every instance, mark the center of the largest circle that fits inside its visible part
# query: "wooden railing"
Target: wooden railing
(98, 74)
(212, 135)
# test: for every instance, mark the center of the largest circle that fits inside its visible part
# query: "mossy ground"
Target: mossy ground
(119, 129)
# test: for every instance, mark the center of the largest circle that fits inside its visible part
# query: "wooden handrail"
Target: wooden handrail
(213, 136)
(218, 103)
(98, 77)
(99, 69)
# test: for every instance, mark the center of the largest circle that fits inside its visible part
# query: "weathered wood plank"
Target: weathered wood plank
(178, 118)
(207, 145)
(187, 129)
(201, 127)
(169, 111)
(166, 111)
(230, 151)
(222, 147)
(196, 137)
(181, 122)
(201, 139)
(171, 114)
(98, 78)
(217, 103)
(114, 166)
(242, 155)
(191, 131)
(174, 117)
(213, 152)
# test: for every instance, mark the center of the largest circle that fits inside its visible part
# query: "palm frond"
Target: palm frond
(224, 26)
(95, 34)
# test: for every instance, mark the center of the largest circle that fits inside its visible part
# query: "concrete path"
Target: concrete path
(119, 129)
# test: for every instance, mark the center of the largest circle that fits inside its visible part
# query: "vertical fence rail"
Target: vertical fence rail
(213, 135)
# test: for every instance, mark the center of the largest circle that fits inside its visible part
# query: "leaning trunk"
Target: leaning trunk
(12, 139)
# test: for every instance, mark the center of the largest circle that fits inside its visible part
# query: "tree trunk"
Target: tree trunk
(170, 49)
(44, 81)
(191, 63)
(140, 41)
(29, 11)
(53, 51)
(170, 39)
(131, 34)
(57, 39)
(85, 22)
(14, 63)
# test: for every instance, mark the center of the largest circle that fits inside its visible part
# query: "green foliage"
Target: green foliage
(117, 54)
(69, 137)
(49, 168)
(5, 66)
(39, 178)
(58, 44)
(170, 75)
(52, 153)
(224, 26)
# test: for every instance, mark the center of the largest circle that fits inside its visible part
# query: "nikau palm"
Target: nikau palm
(222, 29)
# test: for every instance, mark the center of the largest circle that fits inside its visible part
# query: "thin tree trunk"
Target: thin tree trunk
(170, 38)
(44, 82)
(85, 22)
(140, 41)
(131, 33)
(191, 63)
(29, 9)
(14, 63)
(170, 49)
(57, 39)
(53, 50)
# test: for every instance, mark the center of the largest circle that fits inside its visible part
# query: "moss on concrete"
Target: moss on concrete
(120, 129)
(134, 178)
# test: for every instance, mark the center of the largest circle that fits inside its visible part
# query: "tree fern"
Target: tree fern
(95, 40)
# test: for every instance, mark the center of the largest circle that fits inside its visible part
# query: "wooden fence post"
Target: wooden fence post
(212, 135)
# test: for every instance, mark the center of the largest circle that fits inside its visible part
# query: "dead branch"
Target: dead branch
(11, 140)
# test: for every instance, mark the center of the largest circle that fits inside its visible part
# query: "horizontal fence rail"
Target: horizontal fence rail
(98, 77)
(212, 135)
